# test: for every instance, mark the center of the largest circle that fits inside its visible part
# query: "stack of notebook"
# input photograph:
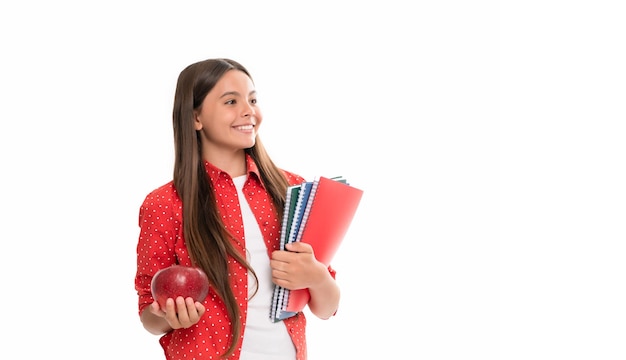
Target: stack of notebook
(319, 213)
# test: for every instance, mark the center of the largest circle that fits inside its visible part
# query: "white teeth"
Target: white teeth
(245, 127)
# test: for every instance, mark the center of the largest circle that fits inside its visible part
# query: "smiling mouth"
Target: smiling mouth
(244, 127)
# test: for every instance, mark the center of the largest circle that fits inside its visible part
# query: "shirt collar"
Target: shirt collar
(216, 173)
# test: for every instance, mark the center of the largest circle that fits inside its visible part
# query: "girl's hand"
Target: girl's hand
(179, 313)
(297, 268)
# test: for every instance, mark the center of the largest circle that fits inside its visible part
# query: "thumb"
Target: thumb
(299, 246)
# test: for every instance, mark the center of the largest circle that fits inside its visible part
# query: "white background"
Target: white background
(487, 137)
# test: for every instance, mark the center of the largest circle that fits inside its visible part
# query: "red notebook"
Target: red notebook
(330, 209)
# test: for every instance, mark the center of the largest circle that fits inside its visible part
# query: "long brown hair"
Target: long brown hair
(208, 242)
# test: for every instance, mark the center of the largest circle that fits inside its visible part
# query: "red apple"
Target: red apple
(178, 280)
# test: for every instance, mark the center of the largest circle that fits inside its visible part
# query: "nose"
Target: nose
(247, 110)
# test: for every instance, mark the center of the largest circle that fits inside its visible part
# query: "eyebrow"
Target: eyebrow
(235, 93)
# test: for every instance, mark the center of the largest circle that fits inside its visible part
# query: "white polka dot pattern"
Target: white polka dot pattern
(161, 244)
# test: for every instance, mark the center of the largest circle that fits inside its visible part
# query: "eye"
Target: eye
(230, 102)
(253, 101)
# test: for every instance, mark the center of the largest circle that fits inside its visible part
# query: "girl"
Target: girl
(222, 213)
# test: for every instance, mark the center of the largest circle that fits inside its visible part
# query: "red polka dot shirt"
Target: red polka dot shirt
(161, 244)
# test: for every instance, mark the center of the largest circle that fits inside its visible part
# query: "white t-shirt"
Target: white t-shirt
(263, 339)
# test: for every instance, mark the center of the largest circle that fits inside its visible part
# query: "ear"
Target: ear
(196, 121)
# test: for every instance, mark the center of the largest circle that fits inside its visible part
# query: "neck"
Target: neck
(234, 163)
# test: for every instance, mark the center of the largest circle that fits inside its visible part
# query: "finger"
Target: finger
(200, 309)
(283, 276)
(171, 314)
(279, 274)
(156, 309)
(277, 264)
(192, 311)
(181, 310)
(281, 255)
(286, 283)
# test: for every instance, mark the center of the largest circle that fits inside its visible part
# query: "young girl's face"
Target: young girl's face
(229, 118)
